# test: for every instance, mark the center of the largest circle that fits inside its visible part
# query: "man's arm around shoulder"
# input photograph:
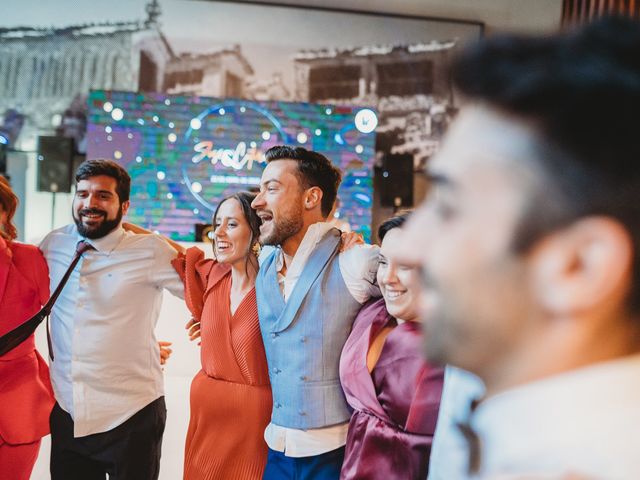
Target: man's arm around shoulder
(163, 273)
(359, 266)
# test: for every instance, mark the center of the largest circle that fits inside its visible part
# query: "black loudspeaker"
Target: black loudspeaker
(396, 181)
(203, 232)
(55, 161)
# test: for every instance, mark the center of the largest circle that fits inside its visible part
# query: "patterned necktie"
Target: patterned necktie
(83, 246)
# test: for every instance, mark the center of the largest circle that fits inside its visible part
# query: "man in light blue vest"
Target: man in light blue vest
(308, 295)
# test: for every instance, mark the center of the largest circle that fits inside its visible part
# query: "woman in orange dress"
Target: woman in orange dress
(231, 395)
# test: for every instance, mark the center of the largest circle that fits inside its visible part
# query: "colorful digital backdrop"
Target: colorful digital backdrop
(185, 154)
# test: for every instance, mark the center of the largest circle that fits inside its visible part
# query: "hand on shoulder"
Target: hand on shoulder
(350, 240)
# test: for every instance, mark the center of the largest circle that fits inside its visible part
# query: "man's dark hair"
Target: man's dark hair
(314, 169)
(93, 168)
(580, 92)
(390, 224)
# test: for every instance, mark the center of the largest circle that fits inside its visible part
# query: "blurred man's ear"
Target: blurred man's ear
(584, 267)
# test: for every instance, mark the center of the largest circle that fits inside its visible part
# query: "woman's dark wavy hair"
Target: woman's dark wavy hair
(580, 91)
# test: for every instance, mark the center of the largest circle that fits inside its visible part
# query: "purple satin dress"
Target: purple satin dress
(395, 406)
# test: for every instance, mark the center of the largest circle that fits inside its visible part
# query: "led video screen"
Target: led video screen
(185, 154)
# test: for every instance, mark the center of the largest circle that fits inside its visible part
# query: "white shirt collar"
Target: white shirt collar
(312, 237)
(295, 264)
(108, 243)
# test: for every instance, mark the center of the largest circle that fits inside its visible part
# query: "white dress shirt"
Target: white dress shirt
(107, 360)
(358, 267)
(585, 422)
(449, 458)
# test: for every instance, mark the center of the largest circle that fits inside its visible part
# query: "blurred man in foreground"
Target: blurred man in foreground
(530, 251)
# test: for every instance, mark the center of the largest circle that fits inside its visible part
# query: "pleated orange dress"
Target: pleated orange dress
(230, 396)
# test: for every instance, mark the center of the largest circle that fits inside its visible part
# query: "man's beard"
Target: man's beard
(100, 230)
(283, 229)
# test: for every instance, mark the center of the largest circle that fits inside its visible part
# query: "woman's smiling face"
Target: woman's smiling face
(231, 234)
(395, 283)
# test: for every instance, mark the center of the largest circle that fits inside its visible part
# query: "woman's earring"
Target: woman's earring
(256, 249)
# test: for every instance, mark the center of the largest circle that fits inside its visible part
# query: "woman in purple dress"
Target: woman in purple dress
(394, 393)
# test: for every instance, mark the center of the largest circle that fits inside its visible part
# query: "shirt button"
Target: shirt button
(302, 413)
(278, 405)
(276, 370)
(274, 335)
(303, 378)
(303, 339)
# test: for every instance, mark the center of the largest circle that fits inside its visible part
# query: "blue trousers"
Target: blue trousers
(319, 467)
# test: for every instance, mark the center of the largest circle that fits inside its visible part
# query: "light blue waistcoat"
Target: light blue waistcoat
(303, 338)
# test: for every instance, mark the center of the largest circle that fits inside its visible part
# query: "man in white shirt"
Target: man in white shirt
(110, 411)
(529, 253)
(308, 295)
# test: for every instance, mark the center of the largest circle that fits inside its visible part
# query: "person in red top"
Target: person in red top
(25, 390)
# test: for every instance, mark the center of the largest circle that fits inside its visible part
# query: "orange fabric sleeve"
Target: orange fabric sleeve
(194, 270)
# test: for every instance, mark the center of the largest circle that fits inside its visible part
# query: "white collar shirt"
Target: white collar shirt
(106, 357)
(449, 457)
(358, 267)
(584, 422)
